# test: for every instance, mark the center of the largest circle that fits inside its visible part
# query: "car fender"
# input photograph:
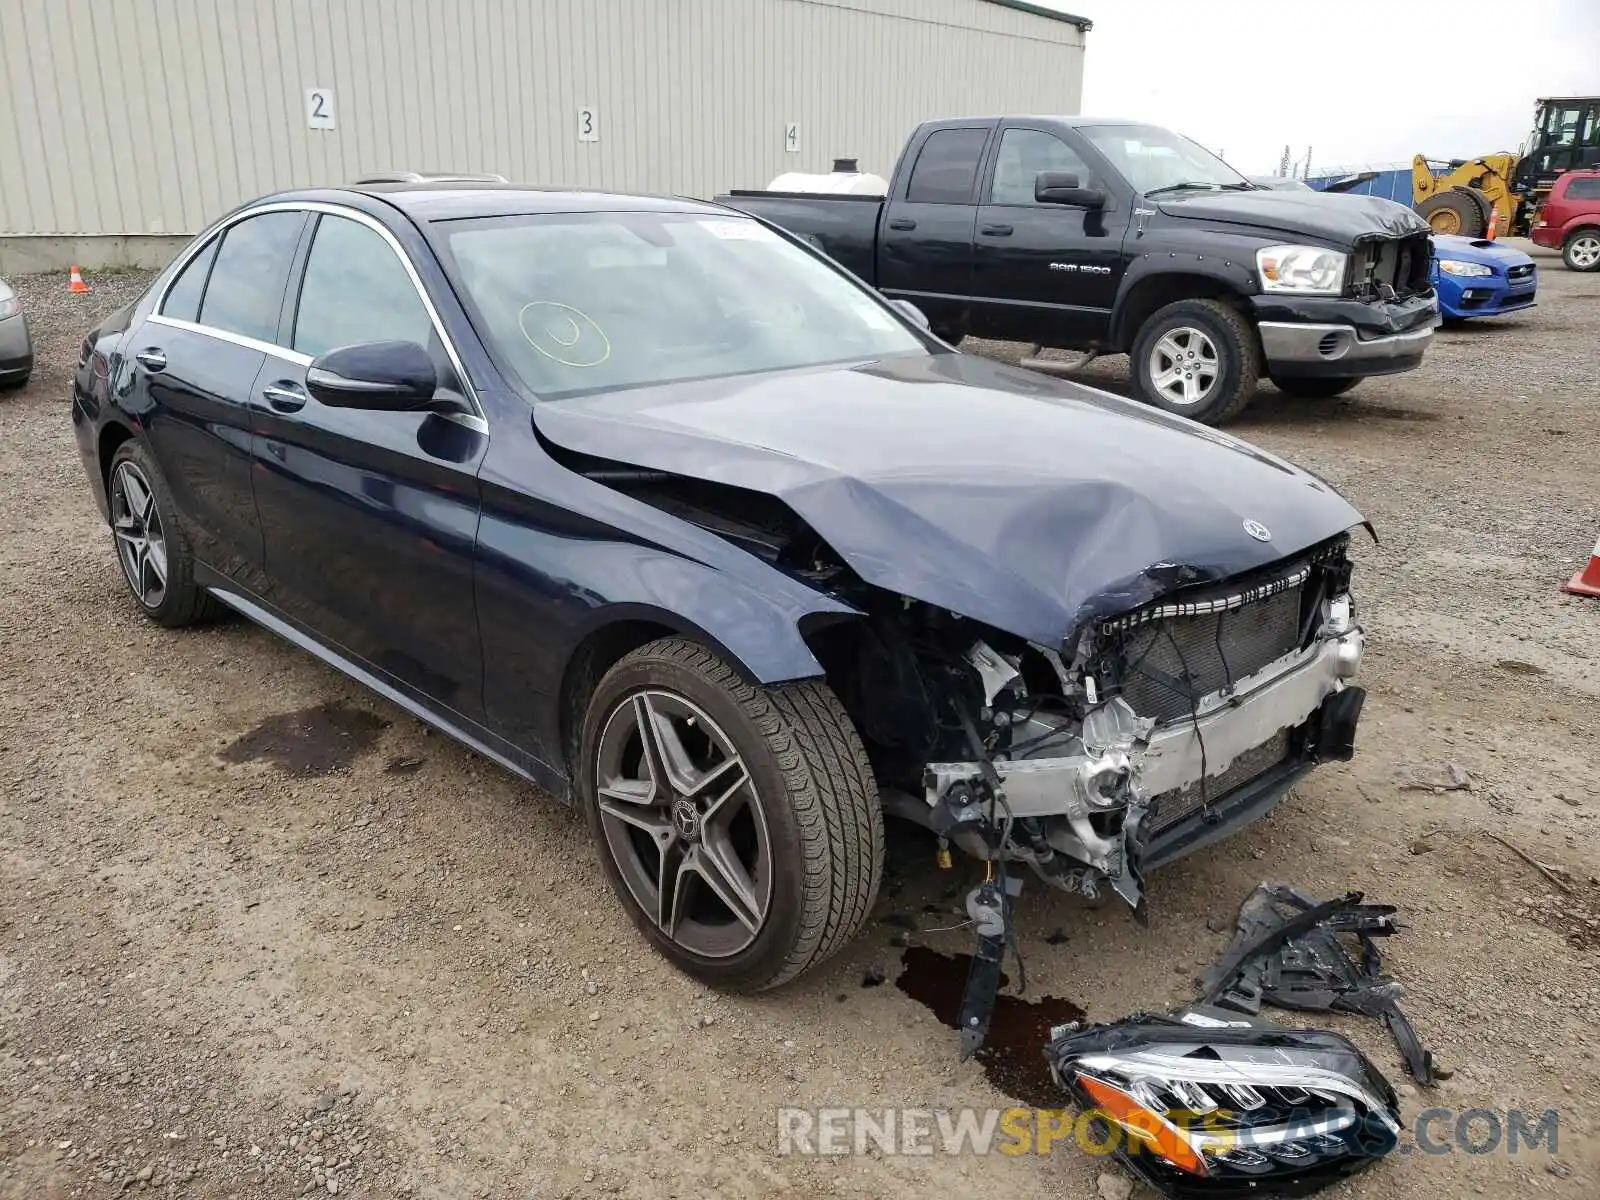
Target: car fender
(1171, 272)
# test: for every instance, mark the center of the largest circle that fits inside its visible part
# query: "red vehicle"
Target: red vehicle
(1570, 220)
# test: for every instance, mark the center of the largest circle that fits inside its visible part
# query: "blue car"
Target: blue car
(1478, 278)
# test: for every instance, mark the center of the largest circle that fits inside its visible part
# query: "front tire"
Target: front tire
(1313, 389)
(738, 824)
(1582, 251)
(1199, 359)
(152, 549)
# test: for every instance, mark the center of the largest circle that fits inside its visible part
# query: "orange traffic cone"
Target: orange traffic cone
(75, 281)
(1587, 581)
(1494, 224)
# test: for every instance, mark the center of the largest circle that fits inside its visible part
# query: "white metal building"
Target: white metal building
(128, 121)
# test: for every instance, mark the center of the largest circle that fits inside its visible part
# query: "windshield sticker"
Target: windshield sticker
(564, 334)
(739, 231)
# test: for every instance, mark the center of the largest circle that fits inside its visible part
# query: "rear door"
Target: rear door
(1040, 267)
(195, 364)
(370, 518)
(925, 235)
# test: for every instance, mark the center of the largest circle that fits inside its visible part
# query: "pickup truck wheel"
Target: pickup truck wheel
(1199, 359)
(1313, 389)
(739, 824)
(1582, 251)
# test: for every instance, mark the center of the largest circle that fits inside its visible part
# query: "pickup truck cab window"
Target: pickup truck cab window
(1023, 154)
(1152, 158)
(946, 167)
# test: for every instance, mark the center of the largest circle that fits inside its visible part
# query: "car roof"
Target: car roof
(435, 200)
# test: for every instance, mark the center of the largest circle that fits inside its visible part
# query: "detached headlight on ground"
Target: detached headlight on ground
(1454, 266)
(1209, 1103)
(1305, 269)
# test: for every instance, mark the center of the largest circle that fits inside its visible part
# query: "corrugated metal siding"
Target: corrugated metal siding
(155, 116)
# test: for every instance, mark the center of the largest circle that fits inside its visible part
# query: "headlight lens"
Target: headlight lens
(1454, 266)
(10, 307)
(1306, 269)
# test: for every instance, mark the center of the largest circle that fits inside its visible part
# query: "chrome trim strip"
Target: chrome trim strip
(337, 210)
(238, 339)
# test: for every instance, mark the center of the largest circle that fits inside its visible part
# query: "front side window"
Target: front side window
(245, 292)
(1023, 154)
(183, 297)
(586, 302)
(1152, 158)
(356, 290)
(946, 167)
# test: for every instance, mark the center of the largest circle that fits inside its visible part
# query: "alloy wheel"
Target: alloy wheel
(1585, 251)
(1183, 366)
(141, 538)
(684, 823)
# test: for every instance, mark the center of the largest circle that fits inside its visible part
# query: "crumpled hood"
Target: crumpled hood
(1028, 503)
(1330, 217)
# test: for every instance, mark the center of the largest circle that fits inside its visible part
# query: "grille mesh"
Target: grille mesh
(1216, 648)
(1171, 807)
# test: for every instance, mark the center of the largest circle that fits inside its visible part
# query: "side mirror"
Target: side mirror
(385, 376)
(912, 313)
(1061, 187)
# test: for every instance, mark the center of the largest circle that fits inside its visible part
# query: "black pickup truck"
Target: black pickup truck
(1116, 237)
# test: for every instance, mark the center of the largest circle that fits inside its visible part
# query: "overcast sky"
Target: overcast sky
(1359, 81)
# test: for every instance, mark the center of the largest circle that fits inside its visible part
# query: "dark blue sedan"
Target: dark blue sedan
(665, 512)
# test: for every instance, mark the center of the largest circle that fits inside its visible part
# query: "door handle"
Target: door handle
(152, 358)
(995, 230)
(905, 224)
(284, 397)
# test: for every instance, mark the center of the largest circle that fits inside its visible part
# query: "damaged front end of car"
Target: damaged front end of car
(1150, 734)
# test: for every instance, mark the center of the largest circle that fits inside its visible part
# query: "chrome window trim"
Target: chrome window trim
(285, 352)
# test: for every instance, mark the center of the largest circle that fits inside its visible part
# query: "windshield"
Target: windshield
(1151, 157)
(585, 302)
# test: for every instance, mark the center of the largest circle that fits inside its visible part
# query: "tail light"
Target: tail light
(1229, 1107)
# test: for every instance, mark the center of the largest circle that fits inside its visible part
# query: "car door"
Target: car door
(196, 359)
(925, 243)
(370, 517)
(1039, 266)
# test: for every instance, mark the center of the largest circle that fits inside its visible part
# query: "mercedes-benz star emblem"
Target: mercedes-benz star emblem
(1258, 531)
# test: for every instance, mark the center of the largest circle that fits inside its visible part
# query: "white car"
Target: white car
(16, 346)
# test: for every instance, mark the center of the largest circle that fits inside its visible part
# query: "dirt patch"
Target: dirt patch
(314, 741)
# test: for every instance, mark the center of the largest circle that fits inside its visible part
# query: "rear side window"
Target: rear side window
(1587, 188)
(245, 292)
(946, 167)
(183, 298)
(356, 290)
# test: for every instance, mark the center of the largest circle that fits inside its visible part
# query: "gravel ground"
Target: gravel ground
(261, 934)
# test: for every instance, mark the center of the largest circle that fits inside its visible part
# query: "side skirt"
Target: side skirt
(469, 733)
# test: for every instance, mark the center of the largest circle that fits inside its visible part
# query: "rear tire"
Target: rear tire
(1314, 389)
(1198, 359)
(1581, 251)
(767, 881)
(1452, 213)
(151, 546)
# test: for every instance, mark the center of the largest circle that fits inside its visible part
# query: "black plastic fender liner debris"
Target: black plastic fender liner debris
(1206, 1103)
(1286, 951)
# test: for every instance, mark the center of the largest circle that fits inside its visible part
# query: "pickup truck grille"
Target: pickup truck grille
(1171, 663)
(1401, 264)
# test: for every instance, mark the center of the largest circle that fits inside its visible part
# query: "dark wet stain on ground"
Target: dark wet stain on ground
(1013, 1055)
(312, 741)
